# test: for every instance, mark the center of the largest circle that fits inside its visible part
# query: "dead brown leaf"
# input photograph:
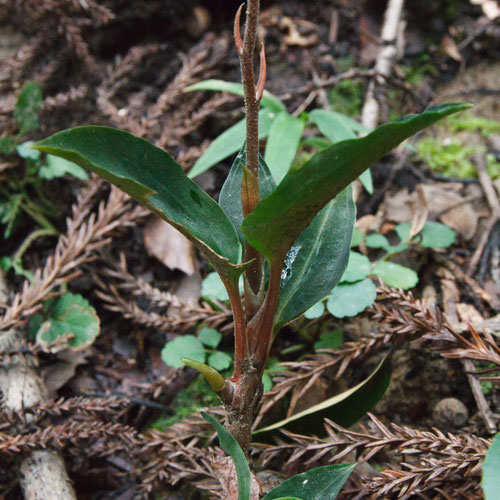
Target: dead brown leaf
(169, 246)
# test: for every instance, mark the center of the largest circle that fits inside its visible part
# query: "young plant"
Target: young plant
(290, 241)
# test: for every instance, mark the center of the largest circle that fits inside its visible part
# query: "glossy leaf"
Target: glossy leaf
(230, 195)
(268, 100)
(281, 217)
(349, 299)
(231, 446)
(317, 259)
(338, 127)
(282, 144)
(491, 470)
(152, 177)
(345, 409)
(322, 483)
(230, 142)
(395, 275)
(69, 316)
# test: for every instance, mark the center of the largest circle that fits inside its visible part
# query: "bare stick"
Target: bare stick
(385, 61)
(494, 204)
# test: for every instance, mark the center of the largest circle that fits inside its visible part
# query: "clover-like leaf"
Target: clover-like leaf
(395, 275)
(210, 337)
(219, 360)
(357, 269)
(70, 316)
(349, 299)
(185, 346)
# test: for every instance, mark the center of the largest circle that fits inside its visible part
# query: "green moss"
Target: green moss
(347, 97)
(470, 123)
(449, 158)
(187, 401)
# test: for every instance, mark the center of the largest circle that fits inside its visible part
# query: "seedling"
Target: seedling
(290, 241)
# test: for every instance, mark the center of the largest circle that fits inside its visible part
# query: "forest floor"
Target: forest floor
(128, 423)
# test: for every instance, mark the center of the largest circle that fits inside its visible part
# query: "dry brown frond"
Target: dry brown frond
(179, 313)
(85, 234)
(433, 459)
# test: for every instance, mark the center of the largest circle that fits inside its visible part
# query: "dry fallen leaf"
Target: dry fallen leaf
(449, 47)
(490, 8)
(451, 208)
(169, 246)
(420, 212)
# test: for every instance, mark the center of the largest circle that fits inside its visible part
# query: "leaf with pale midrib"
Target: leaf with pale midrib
(152, 177)
(281, 217)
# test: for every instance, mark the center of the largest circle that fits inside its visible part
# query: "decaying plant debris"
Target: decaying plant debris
(103, 434)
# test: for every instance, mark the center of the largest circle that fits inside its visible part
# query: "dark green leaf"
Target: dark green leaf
(491, 470)
(69, 316)
(152, 177)
(230, 194)
(7, 145)
(27, 106)
(345, 409)
(231, 446)
(268, 100)
(317, 259)
(349, 299)
(322, 483)
(329, 340)
(282, 144)
(229, 142)
(281, 217)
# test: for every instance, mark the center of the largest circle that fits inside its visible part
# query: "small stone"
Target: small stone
(450, 412)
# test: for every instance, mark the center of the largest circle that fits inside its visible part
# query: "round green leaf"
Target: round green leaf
(220, 360)
(357, 269)
(395, 275)
(315, 311)
(212, 288)
(377, 240)
(186, 346)
(349, 299)
(437, 235)
(70, 316)
(210, 337)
